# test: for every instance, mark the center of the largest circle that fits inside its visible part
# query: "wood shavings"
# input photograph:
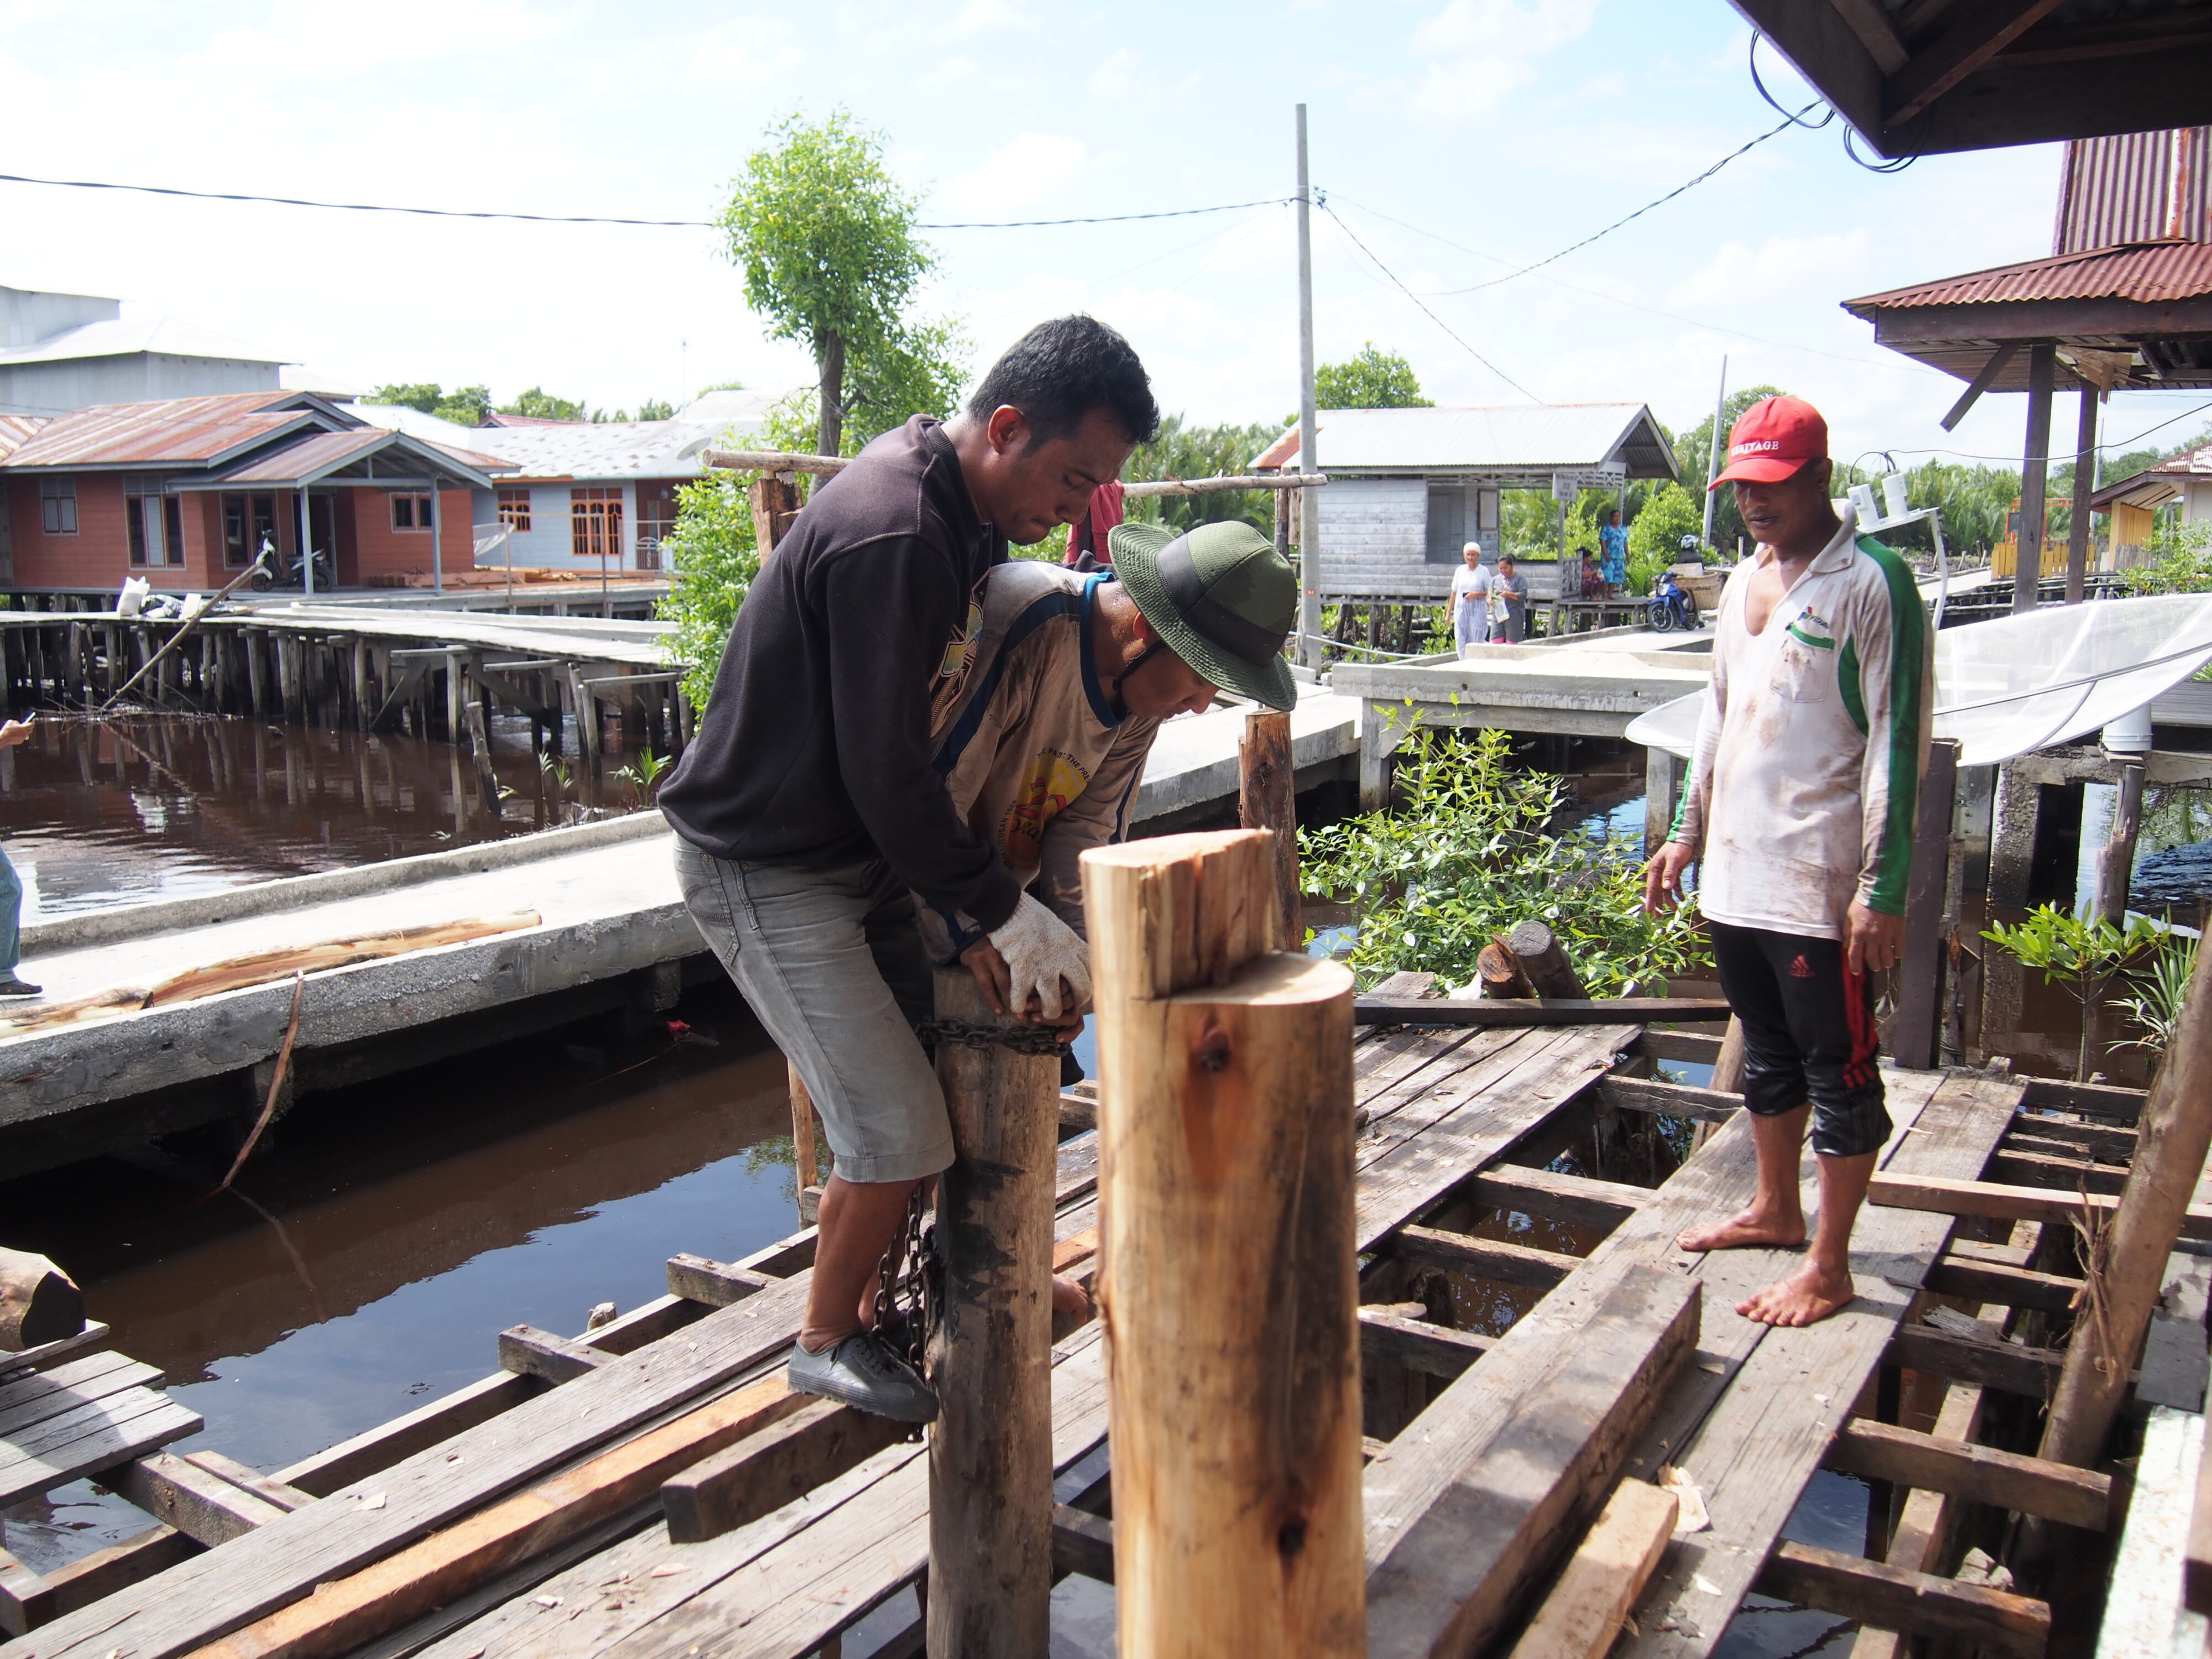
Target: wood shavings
(547, 1600)
(1705, 1585)
(476, 1652)
(1716, 1367)
(665, 1570)
(1691, 1515)
(373, 1501)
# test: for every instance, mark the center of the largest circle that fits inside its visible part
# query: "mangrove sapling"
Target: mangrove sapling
(2079, 952)
(644, 773)
(1467, 853)
(2159, 989)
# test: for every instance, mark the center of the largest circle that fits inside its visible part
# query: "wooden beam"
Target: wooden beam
(344, 1612)
(1419, 1346)
(1911, 1603)
(1982, 1474)
(204, 1507)
(2091, 1099)
(2013, 1287)
(26, 1601)
(1995, 1201)
(1588, 1606)
(1978, 31)
(1693, 1046)
(1637, 1094)
(2032, 1373)
(1872, 25)
(1267, 798)
(1984, 379)
(1081, 1543)
(240, 1474)
(1496, 1258)
(551, 1359)
(763, 1472)
(1579, 1201)
(337, 1466)
(1916, 1034)
(2020, 1166)
(1605, 1010)
(93, 1578)
(715, 1283)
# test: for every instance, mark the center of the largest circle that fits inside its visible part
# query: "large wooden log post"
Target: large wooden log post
(1916, 1036)
(2116, 859)
(1267, 798)
(39, 1303)
(990, 1450)
(1228, 1282)
(2174, 1132)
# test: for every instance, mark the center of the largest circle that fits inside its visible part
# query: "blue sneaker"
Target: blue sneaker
(861, 1371)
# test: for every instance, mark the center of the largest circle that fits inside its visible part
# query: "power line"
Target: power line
(1425, 311)
(2104, 445)
(1693, 184)
(587, 218)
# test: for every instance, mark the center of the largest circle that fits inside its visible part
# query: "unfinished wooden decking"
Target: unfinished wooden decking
(1490, 1455)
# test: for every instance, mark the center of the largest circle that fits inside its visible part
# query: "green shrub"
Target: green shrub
(1653, 540)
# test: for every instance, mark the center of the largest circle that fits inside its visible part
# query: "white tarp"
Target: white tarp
(2017, 683)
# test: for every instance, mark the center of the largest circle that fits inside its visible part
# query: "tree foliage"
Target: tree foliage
(1654, 539)
(714, 559)
(1693, 458)
(1469, 852)
(1181, 450)
(465, 405)
(1372, 378)
(825, 237)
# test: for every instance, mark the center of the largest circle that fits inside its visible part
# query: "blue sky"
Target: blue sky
(1457, 139)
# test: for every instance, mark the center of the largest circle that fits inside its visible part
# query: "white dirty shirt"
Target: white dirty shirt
(1806, 772)
(1040, 765)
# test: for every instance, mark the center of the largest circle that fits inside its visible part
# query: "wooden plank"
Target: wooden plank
(814, 1445)
(2023, 1166)
(129, 1561)
(1408, 1079)
(1911, 1603)
(1692, 1046)
(1081, 1543)
(1669, 1099)
(1497, 1259)
(26, 1601)
(343, 1612)
(2015, 1287)
(2115, 1142)
(1527, 1445)
(2175, 1363)
(1999, 1201)
(1603, 1010)
(1579, 1201)
(204, 1507)
(2031, 1373)
(717, 1284)
(541, 1354)
(2091, 1099)
(49, 1354)
(1588, 1606)
(1983, 1474)
(239, 1474)
(379, 1448)
(33, 1399)
(91, 1438)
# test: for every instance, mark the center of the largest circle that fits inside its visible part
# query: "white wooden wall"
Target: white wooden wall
(1374, 543)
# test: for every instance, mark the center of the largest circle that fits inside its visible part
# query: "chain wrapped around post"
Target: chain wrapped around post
(905, 1295)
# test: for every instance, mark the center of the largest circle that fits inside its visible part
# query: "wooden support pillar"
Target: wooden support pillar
(479, 741)
(249, 641)
(2116, 859)
(2173, 1134)
(1663, 774)
(454, 698)
(802, 1137)
(2085, 479)
(2012, 839)
(990, 1358)
(1916, 1036)
(362, 708)
(2035, 474)
(776, 503)
(1267, 798)
(1228, 1282)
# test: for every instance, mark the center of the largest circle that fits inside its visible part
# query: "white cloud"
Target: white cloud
(1482, 50)
(1118, 75)
(1035, 167)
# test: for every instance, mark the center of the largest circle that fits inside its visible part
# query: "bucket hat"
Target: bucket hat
(1219, 596)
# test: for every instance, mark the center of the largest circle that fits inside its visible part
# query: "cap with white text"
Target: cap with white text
(1772, 440)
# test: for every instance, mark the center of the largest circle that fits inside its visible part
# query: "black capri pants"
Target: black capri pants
(1808, 1034)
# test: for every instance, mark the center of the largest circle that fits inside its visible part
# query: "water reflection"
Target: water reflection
(137, 807)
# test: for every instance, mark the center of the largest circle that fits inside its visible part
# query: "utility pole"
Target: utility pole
(1308, 462)
(1713, 460)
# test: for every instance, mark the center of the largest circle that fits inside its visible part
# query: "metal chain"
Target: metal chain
(1022, 1039)
(905, 1284)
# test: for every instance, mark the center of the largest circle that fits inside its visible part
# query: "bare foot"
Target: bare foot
(1750, 1229)
(1068, 1296)
(1806, 1297)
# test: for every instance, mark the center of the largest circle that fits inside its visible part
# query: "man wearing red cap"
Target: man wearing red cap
(1801, 799)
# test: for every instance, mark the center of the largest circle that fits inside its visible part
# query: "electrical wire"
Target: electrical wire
(1794, 120)
(2104, 447)
(1425, 311)
(595, 219)
(1788, 121)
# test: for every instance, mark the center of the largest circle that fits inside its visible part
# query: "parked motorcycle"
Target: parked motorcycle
(1671, 606)
(272, 570)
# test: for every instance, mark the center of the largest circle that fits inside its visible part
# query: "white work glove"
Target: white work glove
(1040, 950)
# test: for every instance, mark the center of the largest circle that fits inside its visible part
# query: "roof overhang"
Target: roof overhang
(1920, 79)
(370, 457)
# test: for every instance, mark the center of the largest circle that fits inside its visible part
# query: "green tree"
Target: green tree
(1653, 539)
(1692, 458)
(465, 405)
(422, 396)
(1183, 451)
(656, 409)
(537, 404)
(825, 237)
(714, 559)
(1372, 378)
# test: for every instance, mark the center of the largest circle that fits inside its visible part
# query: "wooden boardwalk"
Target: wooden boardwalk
(1490, 1454)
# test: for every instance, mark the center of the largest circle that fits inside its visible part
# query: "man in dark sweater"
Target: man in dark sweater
(809, 813)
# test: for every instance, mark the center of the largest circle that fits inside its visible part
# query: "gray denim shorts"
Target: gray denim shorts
(831, 962)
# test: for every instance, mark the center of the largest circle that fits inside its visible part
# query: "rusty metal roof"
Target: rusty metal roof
(2156, 485)
(2150, 273)
(2136, 187)
(15, 428)
(173, 432)
(321, 455)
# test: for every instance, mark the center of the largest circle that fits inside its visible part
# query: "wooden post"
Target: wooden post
(1663, 774)
(1916, 1036)
(1267, 798)
(802, 1135)
(776, 503)
(2035, 474)
(2084, 483)
(2115, 859)
(480, 750)
(1227, 1281)
(1543, 961)
(990, 1450)
(2174, 1133)
(39, 1303)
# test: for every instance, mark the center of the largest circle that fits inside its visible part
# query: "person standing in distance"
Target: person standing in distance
(1509, 604)
(1800, 797)
(809, 810)
(1470, 599)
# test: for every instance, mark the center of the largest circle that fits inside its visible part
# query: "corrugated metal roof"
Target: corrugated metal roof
(173, 432)
(1507, 437)
(2148, 272)
(123, 336)
(319, 456)
(2138, 187)
(15, 428)
(606, 449)
(2155, 485)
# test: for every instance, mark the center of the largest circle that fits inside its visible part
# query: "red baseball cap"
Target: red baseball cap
(1775, 437)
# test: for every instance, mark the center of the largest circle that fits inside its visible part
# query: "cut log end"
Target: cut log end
(39, 1303)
